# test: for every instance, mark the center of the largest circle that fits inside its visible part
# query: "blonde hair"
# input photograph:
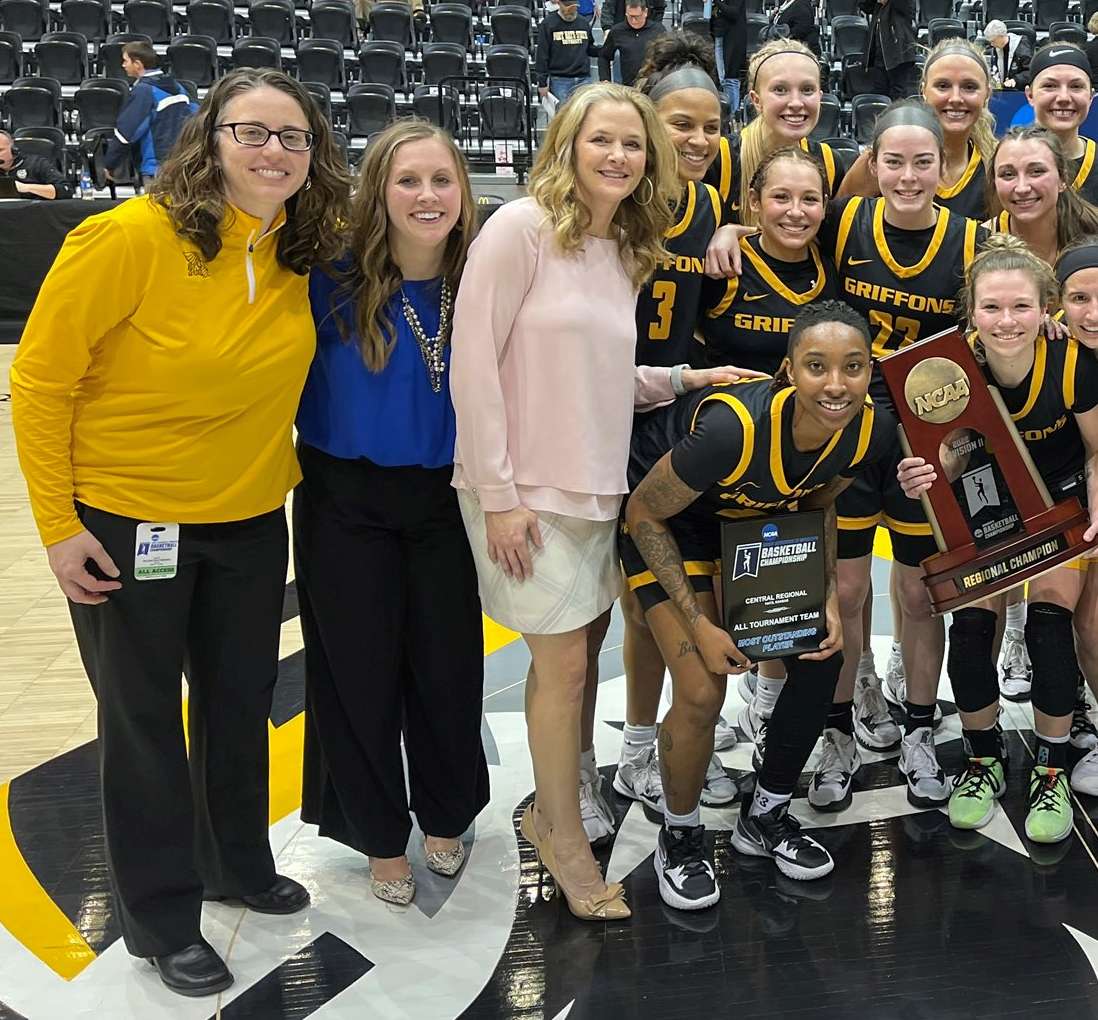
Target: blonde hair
(982, 134)
(1092, 25)
(754, 145)
(373, 277)
(640, 226)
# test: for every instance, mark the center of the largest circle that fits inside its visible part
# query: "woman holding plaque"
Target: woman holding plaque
(1050, 389)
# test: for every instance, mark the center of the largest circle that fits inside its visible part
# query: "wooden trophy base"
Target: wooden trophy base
(959, 577)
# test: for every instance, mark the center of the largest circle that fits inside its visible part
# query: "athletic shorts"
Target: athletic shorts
(875, 498)
(700, 545)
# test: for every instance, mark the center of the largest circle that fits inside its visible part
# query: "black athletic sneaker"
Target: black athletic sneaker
(686, 877)
(777, 834)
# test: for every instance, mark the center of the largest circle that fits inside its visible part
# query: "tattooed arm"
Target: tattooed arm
(825, 499)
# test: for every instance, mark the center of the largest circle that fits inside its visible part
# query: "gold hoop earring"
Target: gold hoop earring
(651, 191)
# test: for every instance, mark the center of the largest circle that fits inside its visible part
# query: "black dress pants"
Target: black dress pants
(393, 644)
(178, 825)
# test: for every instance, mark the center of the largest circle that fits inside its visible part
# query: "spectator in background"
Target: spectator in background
(728, 26)
(890, 60)
(628, 40)
(1091, 48)
(34, 176)
(613, 11)
(1009, 57)
(565, 49)
(796, 19)
(153, 115)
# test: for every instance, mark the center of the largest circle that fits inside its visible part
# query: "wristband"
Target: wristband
(676, 380)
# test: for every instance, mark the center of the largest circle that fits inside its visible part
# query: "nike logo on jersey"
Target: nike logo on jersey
(755, 297)
(858, 262)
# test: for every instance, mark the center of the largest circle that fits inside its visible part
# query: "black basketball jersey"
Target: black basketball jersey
(909, 300)
(968, 196)
(750, 316)
(734, 444)
(1063, 382)
(724, 173)
(1086, 176)
(669, 305)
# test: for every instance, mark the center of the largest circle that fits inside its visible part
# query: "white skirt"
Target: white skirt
(577, 575)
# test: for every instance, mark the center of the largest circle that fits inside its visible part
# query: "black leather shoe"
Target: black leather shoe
(285, 896)
(194, 971)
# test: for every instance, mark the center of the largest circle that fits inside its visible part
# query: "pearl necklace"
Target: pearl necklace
(431, 347)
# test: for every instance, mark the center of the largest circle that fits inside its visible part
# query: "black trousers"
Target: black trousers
(177, 825)
(393, 644)
(899, 83)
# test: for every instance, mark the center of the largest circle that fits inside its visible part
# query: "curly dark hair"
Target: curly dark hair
(671, 51)
(190, 189)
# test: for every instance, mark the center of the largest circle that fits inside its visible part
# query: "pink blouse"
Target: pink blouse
(542, 373)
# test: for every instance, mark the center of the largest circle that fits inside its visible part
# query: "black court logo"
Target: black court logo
(196, 264)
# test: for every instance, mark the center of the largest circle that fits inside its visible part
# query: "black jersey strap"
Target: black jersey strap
(777, 467)
(744, 415)
(845, 223)
(1071, 363)
(1037, 379)
(1086, 164)
(865, 433)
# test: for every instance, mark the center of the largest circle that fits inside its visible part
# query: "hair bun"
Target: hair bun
(1005, 242)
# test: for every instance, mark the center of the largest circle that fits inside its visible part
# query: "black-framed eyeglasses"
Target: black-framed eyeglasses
(255, 136)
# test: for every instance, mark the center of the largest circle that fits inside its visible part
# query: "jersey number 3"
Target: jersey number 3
(663, 292)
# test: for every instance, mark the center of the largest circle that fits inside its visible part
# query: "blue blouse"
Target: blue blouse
(392, 417)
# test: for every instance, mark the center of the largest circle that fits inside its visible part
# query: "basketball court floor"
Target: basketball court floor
(917, 921)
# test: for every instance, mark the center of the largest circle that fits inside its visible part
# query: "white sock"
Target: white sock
(866, 665)
(1016, 616)
(896, 652)
(637, 739)
(687, 821)
(764, 800)
(587, 762)
(767, 692)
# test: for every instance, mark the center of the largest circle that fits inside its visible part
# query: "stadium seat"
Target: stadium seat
(929, 10)
(438, 105)
(849, 34)
(274, 19)
(27, 18)
(1019, 27)
(452, 23)
(864, 111)
(342, 146)
(32, 102)
(194, 57)
(392, 21)
(381, 61)
(833, 8)
(44, 141)
(188, 86)
(1067, 31)
(93, 147)
(110, 53)
(506, 60)
(321, 60)
(153, 18)
(502, 110)
(510, 24)
(755, 24)
(257, 51)
(845, 150)
(97, 102)
(1045, 12)
(322, 96)
(944, 28)
(697, 23)
(831, 112)
(691, 7)
(91, 18)
(370, 107)
(1000, 10)
(11, 57)
(442, 60)
(335, 19)
(64, 56)
(213, 18)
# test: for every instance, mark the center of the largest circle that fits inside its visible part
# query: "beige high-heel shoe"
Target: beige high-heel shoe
(606, 905)
(399, 891)
(445, 862)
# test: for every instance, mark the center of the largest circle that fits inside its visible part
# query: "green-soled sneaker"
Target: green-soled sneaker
(1050, 816)
(975, 791)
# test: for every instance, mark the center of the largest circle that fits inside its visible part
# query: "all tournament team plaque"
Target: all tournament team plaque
(774, 584)
(992, 517)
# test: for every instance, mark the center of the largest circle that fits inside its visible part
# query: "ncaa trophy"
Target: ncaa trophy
(989, 509)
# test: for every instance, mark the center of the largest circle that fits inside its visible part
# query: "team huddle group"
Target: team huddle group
(673, 328)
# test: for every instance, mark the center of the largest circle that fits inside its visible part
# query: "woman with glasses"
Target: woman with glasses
(385, 578)
(152, 396)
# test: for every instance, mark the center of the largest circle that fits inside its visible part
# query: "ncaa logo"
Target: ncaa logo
(747, 561)
(769, 532)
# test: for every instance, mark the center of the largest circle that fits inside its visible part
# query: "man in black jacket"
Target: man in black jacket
(629, 39)
(1010, 55)
(34, 176)
(565, 49)
(890, 58)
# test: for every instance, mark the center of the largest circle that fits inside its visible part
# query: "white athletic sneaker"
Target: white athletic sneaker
(747, 683)
(595, 813)
(1084, 777)
(725, 735)
(874, 727)
(718, 789)
(1083, 734)
(895, 680)
(926, 781)
(830, 788)
(1015, 673)
(754, 727)
(638, 778)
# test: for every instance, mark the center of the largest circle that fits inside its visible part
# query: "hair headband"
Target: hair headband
(1057, 54)
(688, 76)
(908, 115)
(1083, 257)
(779, 53)
(955, 49)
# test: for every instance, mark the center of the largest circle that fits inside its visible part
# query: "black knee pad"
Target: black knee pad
(1050, 642)
(971, 663)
